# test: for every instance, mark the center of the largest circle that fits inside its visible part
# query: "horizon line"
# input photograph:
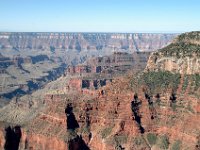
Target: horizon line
(117, 32)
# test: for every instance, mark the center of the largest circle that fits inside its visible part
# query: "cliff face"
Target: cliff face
(82, 41)
(182, 56)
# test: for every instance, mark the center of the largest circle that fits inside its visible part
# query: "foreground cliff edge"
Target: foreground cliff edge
(153, 109)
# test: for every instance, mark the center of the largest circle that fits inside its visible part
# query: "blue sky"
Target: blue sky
(100, 15)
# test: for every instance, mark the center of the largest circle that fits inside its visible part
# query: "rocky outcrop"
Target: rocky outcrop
(186, 65)
(182, 56)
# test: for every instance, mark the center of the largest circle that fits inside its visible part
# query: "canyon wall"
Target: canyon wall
(83, 41)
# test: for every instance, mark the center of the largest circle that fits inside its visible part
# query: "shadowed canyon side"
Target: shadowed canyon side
(116, 102)
(12, 137)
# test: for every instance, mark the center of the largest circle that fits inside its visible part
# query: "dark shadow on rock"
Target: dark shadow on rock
(72, 123)
(151, 104)
(119, 147)
(158, 99)
(173, 101)
(12, 138)
(78, 144)
(135, 104)
(173, 98)
(149, 99)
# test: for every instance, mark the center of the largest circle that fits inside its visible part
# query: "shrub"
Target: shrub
(121, 139)
(71, 134)
(106, 131)
(138, 141)
(173, 106)
(85, 130)
(117, 140)
(164, 142)
(176, 145)
(152, 138)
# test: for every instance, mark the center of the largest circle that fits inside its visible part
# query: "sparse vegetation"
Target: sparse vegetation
(181, 49)
(189, 107)
(189, 36)
(156, 82)
(184, 46)
(185, 83)
(196, 81)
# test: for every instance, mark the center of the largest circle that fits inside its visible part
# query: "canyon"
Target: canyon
(28, 61)
(132, 101)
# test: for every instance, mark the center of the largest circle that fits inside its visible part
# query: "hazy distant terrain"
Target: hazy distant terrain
(85, 41)
(29, 60)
